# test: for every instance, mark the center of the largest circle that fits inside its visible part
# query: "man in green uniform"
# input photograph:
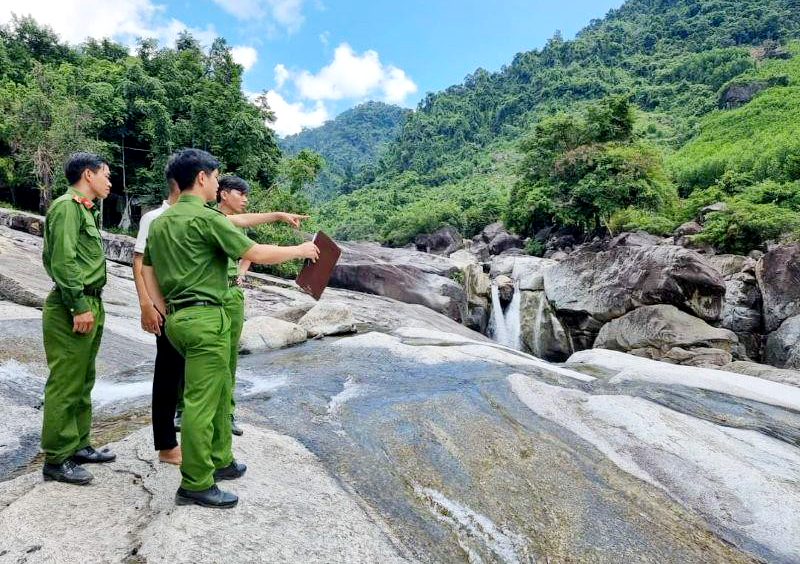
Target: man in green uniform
(185, 268)
(231, 201)
(72, 319)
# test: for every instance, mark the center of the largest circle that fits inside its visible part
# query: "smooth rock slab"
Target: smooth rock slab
(746, 484)
(290, 510)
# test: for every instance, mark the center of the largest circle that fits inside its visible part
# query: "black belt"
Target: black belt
(172, 308)
(96, 292)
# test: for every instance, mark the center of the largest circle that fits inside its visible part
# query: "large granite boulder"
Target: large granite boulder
(741, 312)
(328, 318)
(402, 274)
(22, 221)
(782, 348)
(589, 288)
(444, 241)
(663, 332)
(118, 248)
(635, 239)
(264, 333)
(778, 275)
(729, 265)
(542, 333)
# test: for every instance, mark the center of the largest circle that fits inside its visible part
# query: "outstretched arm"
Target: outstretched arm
(244, 220)
(273, 254)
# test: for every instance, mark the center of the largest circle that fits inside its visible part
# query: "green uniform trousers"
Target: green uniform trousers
(67, 417)
(234, 307)
(202, 335)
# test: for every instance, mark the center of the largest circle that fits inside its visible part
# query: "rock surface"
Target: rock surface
(328, 318)
(778, 274)
(290, 510)
(268, 333)
(542, 333)
(782, 348)
(588, 289)
(657, 331)
(401, 274)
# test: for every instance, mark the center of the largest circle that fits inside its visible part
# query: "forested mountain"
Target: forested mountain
(457, 157)
(349, 144)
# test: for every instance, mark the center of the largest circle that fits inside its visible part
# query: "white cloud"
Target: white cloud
(245, 56)
(293, 117)
(122, 20)
(355, 76)
(281, 75)
(324, 37)
(286, 13)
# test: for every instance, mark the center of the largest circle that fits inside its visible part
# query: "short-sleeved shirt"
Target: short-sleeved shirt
(189, 246)
(72, 250)
(144, 227)
(233, 266)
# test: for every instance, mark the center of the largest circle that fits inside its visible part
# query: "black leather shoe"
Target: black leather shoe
(230, 472)
(212, 497)
(235, 429)
(88, 455)
(177, 421)
(68, 472)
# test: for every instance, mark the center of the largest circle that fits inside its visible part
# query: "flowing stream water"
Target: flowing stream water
(504, 326)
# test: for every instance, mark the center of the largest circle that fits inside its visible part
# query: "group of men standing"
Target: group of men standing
(189, 287)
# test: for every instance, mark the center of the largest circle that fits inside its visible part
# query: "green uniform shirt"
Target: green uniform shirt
(189, 247)
(73, 250)
(233, 266)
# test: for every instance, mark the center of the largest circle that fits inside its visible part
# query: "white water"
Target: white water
(504, 327)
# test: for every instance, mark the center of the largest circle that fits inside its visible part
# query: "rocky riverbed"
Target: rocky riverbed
(410, 439)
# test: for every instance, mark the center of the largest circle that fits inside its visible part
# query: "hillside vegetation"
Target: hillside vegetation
(463, 157)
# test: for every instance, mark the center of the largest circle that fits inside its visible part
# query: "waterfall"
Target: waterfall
(505, 327)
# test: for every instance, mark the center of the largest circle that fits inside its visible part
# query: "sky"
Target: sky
(318, 58)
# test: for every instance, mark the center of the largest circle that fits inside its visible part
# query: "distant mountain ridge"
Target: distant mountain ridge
(348, 143)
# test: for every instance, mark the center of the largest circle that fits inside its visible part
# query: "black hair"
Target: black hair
(231, 182)
(186, 164)
(78, 162)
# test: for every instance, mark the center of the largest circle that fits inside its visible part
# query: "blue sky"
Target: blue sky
(318, 58)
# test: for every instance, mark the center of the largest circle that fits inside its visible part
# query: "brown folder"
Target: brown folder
(314, 276)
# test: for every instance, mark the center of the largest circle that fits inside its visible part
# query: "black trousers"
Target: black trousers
(167, 388)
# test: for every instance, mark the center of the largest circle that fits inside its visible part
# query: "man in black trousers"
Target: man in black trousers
(168, 373)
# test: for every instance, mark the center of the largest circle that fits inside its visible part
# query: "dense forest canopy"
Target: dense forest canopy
(649, 114)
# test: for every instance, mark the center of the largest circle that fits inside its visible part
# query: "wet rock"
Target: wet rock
(328, 318)
(542, 332)
(782, 348)
(663, 332)
(588, 289)
(478, 318)
(476, 284)
(505, 286)
(267, 333)
(778, 274)
(443, 241)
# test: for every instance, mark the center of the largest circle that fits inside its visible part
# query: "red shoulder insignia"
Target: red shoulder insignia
(87, 203)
